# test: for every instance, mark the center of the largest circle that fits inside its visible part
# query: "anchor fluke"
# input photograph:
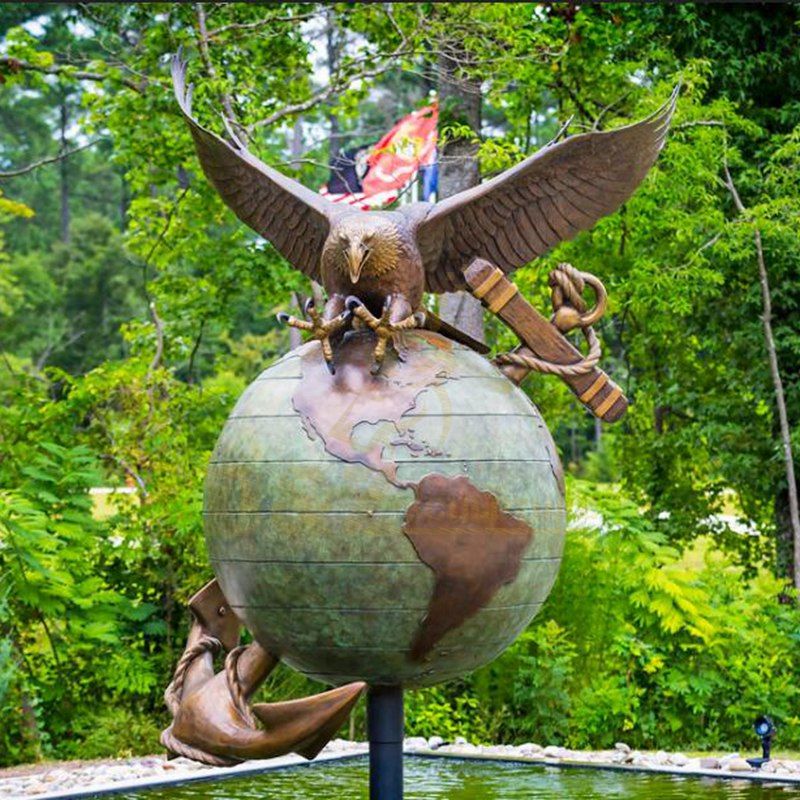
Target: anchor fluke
(316, 718)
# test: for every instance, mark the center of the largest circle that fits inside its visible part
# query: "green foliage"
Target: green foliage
(434, 712)
(641, 641)
(134, 308)
(540, 699)
(59, 614)
(121, 731)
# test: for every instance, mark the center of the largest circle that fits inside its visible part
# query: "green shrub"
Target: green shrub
(104, 732)
(434, 712)
(641, 641)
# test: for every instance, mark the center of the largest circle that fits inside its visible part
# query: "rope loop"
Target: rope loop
(179, 748)
(235, 687)
(586, 364)
(570, 311)
(569, 307)
(205, 644)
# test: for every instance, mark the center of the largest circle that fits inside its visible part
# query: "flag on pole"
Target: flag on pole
(392, 163)
(347, 171)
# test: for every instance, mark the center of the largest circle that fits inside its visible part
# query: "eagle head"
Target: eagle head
(363, 245)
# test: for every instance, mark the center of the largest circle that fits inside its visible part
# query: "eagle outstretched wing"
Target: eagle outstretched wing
(546, 199)
(293, 218)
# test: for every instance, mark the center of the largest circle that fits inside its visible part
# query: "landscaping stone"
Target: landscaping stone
(435, 742)
(737, 765)
(48, 779)
(415, 743)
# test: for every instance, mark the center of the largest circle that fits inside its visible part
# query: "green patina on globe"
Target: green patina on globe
(402, 528)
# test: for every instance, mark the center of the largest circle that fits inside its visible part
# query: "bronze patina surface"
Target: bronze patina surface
(332, 405)
(308, 500)
(470, 543)
(544, 340)
(390, 515)
(213, 721)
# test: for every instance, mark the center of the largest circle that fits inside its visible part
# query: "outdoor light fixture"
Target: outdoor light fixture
(765, 730)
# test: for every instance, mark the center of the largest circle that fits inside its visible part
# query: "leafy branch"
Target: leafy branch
(344, 80)
(13, 173)
(16, 65)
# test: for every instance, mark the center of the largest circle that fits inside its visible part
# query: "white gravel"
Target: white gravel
(66, 780)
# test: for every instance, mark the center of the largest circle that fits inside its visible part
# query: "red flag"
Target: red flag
(395, 160)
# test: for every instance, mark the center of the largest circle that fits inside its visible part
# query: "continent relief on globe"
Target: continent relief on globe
(403, 527)
(460, 532)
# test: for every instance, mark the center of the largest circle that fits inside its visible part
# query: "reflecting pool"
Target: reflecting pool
(432, 779)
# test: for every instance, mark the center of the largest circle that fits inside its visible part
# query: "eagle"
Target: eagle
(377, 265)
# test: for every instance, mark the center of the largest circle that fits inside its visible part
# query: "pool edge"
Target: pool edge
(763, 777)
(215, 773)
(293, 761)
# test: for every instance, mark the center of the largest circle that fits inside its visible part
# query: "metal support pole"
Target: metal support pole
(385, 733)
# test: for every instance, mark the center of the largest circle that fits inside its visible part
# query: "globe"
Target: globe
(400, 528)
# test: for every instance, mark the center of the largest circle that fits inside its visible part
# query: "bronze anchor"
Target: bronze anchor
(212, 719)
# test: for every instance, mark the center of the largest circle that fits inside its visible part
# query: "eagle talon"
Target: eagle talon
(320, 329)
(384, 329)
(352, 303)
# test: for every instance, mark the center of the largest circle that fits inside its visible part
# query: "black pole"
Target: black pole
(385, 733)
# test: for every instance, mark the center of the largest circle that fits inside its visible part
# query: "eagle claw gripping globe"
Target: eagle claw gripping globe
(399, 528)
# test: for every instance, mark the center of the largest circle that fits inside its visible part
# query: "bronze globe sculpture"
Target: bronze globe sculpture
(384, 507)
(399, 528)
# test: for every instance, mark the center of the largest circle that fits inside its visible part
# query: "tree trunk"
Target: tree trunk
(296, 149)
(64, 172)
(459, 100)
(784, 544)
(783, 417)
(295, 336)
(780, 397)
(333, 40)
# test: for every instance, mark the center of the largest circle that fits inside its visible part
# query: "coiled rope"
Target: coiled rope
(569, 312)
(173, 693)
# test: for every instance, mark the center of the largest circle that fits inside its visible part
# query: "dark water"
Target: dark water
(432, 779)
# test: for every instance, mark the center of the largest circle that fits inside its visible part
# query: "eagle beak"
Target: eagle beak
(355, 261)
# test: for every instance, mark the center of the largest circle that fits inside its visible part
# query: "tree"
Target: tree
(460, 114)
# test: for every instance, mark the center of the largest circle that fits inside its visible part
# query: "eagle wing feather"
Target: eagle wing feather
(548, 198)
(275, 206)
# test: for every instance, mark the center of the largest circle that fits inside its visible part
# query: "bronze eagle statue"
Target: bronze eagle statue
(378, 264)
